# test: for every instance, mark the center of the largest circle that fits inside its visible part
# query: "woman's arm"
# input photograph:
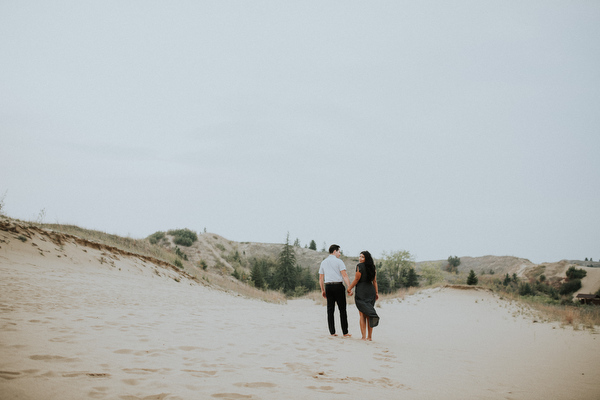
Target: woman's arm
(355, 281)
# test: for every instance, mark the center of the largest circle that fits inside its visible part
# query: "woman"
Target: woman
(365, 281)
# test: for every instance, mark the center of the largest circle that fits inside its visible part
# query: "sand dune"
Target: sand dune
(79, 322)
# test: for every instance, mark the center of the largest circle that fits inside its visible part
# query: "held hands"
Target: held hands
(349, 292)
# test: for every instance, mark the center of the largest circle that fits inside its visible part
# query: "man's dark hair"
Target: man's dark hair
(333, 248)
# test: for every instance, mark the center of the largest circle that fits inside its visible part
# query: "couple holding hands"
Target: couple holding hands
(332, 275)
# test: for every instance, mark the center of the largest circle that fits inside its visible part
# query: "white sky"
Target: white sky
(443, 128)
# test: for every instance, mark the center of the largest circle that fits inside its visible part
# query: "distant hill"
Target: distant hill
(224, 256)
(483, 265)
(219, 253)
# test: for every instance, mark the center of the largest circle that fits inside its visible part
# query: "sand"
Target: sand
(78, 322)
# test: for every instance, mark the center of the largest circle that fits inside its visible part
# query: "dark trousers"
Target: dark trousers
(336, 293)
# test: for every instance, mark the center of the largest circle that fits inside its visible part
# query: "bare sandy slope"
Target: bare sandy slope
(78, 322)
(591, 282)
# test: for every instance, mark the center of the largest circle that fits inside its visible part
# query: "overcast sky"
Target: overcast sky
(443, 128)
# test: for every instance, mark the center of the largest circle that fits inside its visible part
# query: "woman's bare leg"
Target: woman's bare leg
(363, 325)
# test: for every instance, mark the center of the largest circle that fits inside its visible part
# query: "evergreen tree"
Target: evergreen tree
(525, 289)
(257, 275)
(506, 280)
(307, 279)
(412, 279)
(286, 274)
(313, 245)
(472, 278)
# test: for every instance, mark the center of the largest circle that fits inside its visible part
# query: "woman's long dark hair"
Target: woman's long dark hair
(370, 265)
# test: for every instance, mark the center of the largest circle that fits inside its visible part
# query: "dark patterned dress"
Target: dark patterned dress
(364, 296)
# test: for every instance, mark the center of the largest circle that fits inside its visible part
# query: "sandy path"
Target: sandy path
(81, 329)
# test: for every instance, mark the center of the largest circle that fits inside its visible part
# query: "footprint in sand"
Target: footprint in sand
(123, 351)
(200, 374)
(324, 389)
(151, 397)
(256, 384)
(89, 374)
(8, 375)
(231, 396)
(52, 358)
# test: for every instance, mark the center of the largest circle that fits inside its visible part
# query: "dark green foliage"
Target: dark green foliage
(576, 273)
(283, 274)
(262, 272)
(506, 281)
(183, 237)
(180, 253)
(411, 278)
(307, 279)
(312, 245)
(453, 263)
(156, 237)
(383, 280)
(525, 289)
(472, 278)
(544, 288)
(286, 274)
(569, 287)
(178, 263)
(236, 274)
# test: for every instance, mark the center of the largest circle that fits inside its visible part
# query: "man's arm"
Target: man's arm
(322, 284)
(346, 279)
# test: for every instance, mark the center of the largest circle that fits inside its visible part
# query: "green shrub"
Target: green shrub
(525, 289)
(183, 237)
(178, 263)
(576, 273)
(570, 287)
(156, 237)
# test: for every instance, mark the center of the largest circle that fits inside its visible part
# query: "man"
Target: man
(331, 274)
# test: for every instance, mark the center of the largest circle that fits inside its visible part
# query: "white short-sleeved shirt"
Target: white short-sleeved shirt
(332, 268)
